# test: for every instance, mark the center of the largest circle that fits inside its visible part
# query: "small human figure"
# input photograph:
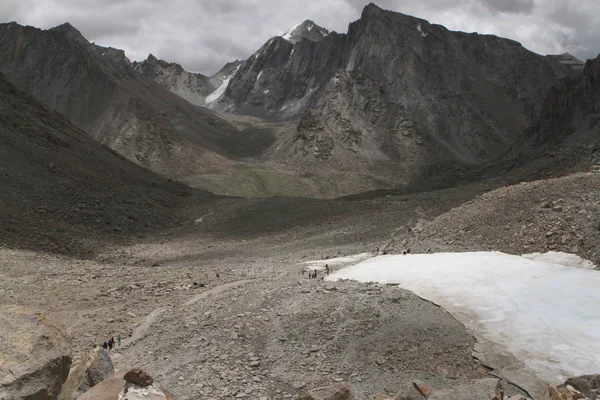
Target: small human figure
(327, 269)
(105, 346)
(111, 342)
(404, 253)
(119, 339)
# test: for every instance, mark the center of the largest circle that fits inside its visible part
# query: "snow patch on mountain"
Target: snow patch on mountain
(288, 34)
(214, 96)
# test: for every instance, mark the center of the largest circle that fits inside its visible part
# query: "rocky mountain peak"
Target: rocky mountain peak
(568, 59)
(151, 59)
(306, 30)
(71, 32)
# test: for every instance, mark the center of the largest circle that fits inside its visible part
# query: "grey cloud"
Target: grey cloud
(510, 6)
(202, 35)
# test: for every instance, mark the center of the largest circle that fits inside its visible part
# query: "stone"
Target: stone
(113, 387)
(574, 249)
(566, 392)
(35, 355)
(471, 390)
(557, 208)
(138, 377)
(339, 391)
(589, 385)
(95, 367)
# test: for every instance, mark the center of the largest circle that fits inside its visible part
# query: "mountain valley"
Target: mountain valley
(186, 213)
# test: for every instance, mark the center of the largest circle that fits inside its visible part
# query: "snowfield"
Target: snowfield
(536, 317)
(214, 96)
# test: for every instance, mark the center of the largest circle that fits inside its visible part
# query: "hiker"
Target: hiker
(327, 269)
(105, 346)
(111, 342)
(119, 339)
(404, 253)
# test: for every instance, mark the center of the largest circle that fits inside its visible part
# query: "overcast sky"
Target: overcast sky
(203, 35)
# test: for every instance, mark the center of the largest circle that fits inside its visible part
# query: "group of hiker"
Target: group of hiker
(314, 274)
(110, 343)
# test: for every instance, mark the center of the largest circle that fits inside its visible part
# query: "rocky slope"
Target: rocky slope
(396, 93)
(62, 190)
(568, 59)
(560, 214)
(97, 89)
(565, 138)
(193, 87)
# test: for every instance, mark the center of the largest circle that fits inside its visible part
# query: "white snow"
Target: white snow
(310, 28)
(259, 75)
(266, 91)
(536, 318)
(288, 34)
(211, 98)
(424, 34)
(292, 53)
(554, 257)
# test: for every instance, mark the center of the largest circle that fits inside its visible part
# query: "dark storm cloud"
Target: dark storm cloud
(203, 35)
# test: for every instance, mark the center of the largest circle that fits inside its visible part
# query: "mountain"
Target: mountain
(189, 86)
(61, 189)
(311, 113)
(99, 91)
(568, 59)
(306, 30)
(394, 95)
(566, 137)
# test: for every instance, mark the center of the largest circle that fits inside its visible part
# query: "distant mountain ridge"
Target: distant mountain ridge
(396, 90)
(311, 113)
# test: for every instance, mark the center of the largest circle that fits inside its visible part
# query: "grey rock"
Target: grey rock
(93, 369)
(36, 355)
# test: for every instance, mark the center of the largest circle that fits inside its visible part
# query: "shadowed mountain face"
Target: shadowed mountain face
(97, 89)
(396, 89)
(61, 189)
(566, 137)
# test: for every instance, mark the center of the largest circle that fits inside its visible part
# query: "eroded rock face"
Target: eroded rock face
(35, 355)
(403, 89)
(193, 87)
(93, 369)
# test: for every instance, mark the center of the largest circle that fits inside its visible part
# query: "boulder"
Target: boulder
(35, 356)
(131, 391)
(95, 367)
(567, 392)
(116, 387)
(335, 392)
(138, 377)
(589, 385)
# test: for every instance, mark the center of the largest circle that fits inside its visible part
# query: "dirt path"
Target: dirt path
(140, 331)
(217, 290)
